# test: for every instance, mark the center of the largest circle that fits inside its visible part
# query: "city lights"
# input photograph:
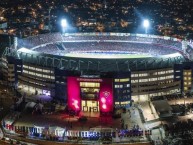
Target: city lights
(103, 100)
(96, 72)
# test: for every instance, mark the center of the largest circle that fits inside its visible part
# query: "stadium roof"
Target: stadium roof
(106, 65)
(111, 64)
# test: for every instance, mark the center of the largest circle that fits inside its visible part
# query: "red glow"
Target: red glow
(103, 100)
(75, 104)
(104, 106)
(73, 89)
(106, 95)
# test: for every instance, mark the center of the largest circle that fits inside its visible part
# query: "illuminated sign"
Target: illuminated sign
(106, 94)
(75, 104)
(89, 80)
(46, 92)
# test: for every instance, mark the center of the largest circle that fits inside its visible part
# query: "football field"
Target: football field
(106, 56)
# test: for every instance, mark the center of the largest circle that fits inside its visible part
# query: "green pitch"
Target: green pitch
(106, 56)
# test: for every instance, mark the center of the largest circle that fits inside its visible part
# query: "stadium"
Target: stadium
(95, 72)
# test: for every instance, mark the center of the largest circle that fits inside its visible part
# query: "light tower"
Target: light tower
(146, 25)
(64, 25)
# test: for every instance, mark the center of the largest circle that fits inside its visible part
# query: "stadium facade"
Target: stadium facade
(97, 72)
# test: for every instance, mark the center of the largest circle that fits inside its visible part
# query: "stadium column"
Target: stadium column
(89, 65)
(98, 65)
(137, 83)
(117, 66)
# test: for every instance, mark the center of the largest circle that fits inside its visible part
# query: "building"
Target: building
(96, 72)
(183, 73)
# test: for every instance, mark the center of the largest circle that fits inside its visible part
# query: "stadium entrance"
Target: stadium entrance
(90, 106)
(90, 96)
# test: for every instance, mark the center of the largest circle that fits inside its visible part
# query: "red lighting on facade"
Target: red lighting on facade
(106, 95)
(75, 104)
(73, 88)
(103, 100)
(104, 106)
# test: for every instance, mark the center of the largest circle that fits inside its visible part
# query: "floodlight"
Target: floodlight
(64, 23)
(146, 25)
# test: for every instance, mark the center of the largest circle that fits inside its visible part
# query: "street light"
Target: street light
(63, 24)
(146, 25)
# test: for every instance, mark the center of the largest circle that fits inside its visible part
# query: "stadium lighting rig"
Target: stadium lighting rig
(64, 25)
(146, 25)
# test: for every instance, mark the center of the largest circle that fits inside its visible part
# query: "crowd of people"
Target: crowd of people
(42, 39)
(106, 48)
(55, 37)
(49, 49)
(60, 44)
